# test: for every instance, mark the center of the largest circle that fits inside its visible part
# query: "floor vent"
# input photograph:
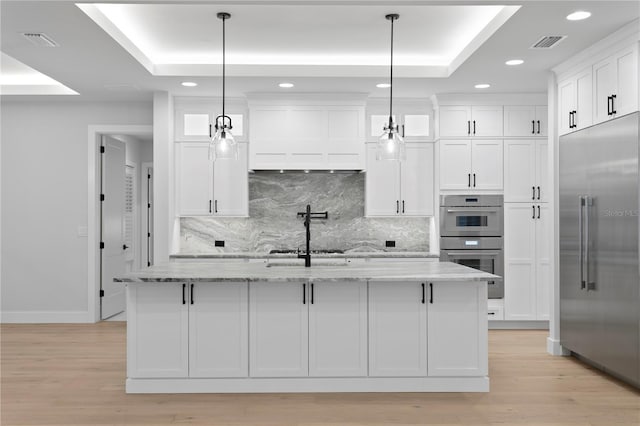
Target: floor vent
(547, 42)
(40, 39)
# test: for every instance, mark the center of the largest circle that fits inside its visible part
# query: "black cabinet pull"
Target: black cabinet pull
(192, 293)
(533, 192)
(215, 206)
(533, 127)
(431, 293)
(609, 105)
(533, 215)
(474, 180)
(538, 212)
(124, 247)
(397, 206)
(423, 294)
(468, 127)
(574, 119)
(402, 206)
(209, 131)
(538, 126)
(403, 130)
(474, 127)
(184, 293)
(312, 293)
(304, 293)
(469, 182)
(613, 105)
(538, 193)
(570, 117)
(209, 206)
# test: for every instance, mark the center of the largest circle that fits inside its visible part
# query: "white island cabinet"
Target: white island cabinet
(382, 327)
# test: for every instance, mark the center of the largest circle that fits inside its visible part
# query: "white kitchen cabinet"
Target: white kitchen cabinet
(575, 102)
(218, 329)
(196, 121)
(401, 188)
(525, 170)
(471, 165)
(478, 121)
(413, 126)
(205, 187)
(525, 121)
(338, 329)
(457, 343)
(526, 259)
(397, 329)
(157, 330)
(278, 329)
(615, 85)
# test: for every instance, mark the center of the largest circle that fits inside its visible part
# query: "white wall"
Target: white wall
(44, 205)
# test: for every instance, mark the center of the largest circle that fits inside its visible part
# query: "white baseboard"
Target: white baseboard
(122, 316)
(554, 348)
(518, 325)
(43, 317)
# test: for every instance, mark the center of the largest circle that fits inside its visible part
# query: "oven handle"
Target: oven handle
(474, 253)
(475, 210)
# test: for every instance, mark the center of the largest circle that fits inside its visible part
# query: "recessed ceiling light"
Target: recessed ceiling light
(578, 15)
(286, 85)
(383, 85)
(189, 84)
(482, 86)
(514, 62)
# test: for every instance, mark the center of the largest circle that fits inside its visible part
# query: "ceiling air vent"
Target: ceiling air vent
(40, 39)
(547, 42)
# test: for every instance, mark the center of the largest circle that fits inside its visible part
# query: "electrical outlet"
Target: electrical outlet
(390, 243)
(219, 243)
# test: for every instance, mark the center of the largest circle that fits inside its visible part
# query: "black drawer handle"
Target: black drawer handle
(538, 126)
(613, 105)
(312, 293)
(191, 293)
(304, 293)
(184, 294)
(533, 127)
(431, 293)
(474, 127)
(468, 127)
(538, 193)
(474, 180)
(533, 192)
(423, 294)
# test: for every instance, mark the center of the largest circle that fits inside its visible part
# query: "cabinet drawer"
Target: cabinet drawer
(495, 313)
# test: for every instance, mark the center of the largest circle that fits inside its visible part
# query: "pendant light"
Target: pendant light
(391, 145)
(223, 145)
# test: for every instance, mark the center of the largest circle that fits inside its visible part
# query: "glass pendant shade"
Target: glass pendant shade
(223, 145)
(391, 146)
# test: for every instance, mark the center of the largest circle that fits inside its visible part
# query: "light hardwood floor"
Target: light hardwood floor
(74, 374)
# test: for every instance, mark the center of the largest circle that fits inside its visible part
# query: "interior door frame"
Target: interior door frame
(95, 133)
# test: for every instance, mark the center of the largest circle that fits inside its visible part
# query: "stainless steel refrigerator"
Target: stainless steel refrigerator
(599, 257)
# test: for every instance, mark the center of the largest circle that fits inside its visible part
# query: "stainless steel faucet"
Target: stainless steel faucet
(308, 215)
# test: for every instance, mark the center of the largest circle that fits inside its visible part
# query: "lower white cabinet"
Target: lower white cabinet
(457, 342)
(397, 329)
(278, 324)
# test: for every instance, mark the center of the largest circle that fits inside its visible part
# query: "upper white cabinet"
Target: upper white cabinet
(195, 119)
(525, 121)
(574, 102)
(285, 136)
(615, 85)
(471, 165)
(405, 188)
(525, 171)
(412, 117)
(473, 121)
(208, 188)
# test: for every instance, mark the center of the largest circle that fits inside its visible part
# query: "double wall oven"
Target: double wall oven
(471, 231)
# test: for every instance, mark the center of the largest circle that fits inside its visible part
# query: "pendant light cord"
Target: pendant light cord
(391, 80)
(223, 68)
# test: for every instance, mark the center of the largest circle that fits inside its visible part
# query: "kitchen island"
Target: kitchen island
(248, 327)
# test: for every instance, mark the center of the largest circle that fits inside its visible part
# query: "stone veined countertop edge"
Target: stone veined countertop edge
(352, 255)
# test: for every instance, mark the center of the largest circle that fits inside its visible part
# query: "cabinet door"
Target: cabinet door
(416, 181)
(269, 148)
(542, 118)
(455, 121)
(455, 164)
(192, 124)
(231, 185)
(543, 261)
(519, 261)
(542, 170)
(457, 329)
(519, 171)
(604, 85)
(415, 126)
(397, 329)
(376, 124)
(195, 179)
(584, 100)
(218, 330)
(567, 104)
(487, 120)
(626, 100)
(382, 185)
(520, 121)
(157, 331)
(279, 327)
(345, 144)
(338, 329)
(487, 164)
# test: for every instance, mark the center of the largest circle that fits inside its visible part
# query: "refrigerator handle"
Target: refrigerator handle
(587, 208)
(581, 240)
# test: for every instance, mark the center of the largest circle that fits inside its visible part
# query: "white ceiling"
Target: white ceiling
(17, 78)
(93, 63)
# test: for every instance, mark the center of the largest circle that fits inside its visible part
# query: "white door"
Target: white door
(218, 330)
(194, 172)
(542, 119)
(457, 331)
(157, 330)
(520, 120)
(626, 99)
(417, 181)
(584, 100)
(130, 214)
(604, 85)
(231, 185)
(519, 171)
(338, 329)
(279, 329)
(487, 164)
(455, 121)
(542, 170)
(397, 329)
(543, 261)
(519, 261)
(113, 254)
(567, 104)
(487, 120)
(382, 185)
(455, 164)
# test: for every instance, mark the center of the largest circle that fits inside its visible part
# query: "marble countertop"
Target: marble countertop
(321, 271)
(348, 255)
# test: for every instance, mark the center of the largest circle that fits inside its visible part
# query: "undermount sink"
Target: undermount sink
(300, 263)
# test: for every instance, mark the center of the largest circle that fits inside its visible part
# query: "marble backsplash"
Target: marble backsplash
(274, 201)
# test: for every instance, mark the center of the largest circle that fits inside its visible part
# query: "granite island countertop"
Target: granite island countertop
(329, 271)
(347, 255)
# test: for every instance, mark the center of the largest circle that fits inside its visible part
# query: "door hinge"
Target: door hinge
(101, 197)
(101, 293)
(102, 150)
(101, 245)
